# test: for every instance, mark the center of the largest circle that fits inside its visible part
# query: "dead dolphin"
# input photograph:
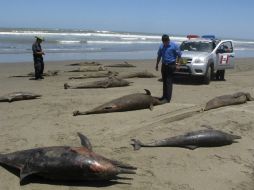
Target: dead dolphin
(49, 73)
(226, 100)
(66, 163)
(85, 64)
(17, 96)
(192, 140)
(107, 83)
(138, 74)
(100, 74)
(125, 64)
(125, 103)
(89, 69)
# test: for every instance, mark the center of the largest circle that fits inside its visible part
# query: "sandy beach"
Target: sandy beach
(48, 121)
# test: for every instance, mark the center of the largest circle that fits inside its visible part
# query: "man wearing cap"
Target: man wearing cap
(169, 52)
(38, 58)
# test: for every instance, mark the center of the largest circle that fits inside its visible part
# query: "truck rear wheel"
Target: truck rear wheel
(208, 75)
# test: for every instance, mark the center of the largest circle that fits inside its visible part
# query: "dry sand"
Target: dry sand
(48, 121)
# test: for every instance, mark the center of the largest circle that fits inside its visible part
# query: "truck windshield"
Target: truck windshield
(197, 46)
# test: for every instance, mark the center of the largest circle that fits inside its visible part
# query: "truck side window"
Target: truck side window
(225, 47)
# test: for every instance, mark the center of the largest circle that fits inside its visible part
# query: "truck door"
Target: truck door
(225, 56)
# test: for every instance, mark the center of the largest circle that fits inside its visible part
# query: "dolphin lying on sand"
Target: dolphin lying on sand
(100, 74)
(226, 100)
(125, 103)
(125, 64)
(89, 69)
(138, 74)
(107, 83)
(66, 163)
(192, 140)
(17, 96)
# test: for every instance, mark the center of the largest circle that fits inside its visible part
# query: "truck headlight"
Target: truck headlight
(199, 60)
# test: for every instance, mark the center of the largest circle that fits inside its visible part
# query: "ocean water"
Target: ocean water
(16, 44)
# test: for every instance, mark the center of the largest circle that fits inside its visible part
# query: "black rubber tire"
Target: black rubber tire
(217, 76)
(208, 75)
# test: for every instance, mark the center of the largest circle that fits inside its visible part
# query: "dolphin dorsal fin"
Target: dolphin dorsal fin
(85, 141)
(147, 92)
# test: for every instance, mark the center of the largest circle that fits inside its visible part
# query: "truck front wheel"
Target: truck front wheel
(208, 75)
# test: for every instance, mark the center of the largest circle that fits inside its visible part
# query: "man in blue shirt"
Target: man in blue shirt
(169, 52)
(38, 58)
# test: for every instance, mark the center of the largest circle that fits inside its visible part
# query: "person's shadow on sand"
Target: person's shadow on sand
(35, 79)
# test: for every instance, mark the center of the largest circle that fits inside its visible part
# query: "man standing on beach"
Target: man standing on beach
(170, 53)
(38, 58)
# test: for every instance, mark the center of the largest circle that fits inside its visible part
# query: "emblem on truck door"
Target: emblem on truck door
(224, 59)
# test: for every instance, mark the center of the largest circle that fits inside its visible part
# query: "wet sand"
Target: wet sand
(48, 121)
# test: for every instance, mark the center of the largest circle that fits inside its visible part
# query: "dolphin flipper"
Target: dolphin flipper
(85, 141)
(25, 172)
(106, 85)
(151, 107)
(191, 147)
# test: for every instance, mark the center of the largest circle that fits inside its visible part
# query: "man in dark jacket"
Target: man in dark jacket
(38, 58)
(170, 53)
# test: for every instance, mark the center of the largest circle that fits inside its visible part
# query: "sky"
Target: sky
(224, 18)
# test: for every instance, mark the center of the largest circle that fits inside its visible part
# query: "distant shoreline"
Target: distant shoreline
(86, 58)
(73, 44)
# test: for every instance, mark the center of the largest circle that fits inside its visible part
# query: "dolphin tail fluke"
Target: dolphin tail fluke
(136, 144)
(66, 86)
(75, 113)
(249, 97)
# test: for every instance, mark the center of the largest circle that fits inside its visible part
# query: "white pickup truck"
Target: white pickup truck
(206, 57)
